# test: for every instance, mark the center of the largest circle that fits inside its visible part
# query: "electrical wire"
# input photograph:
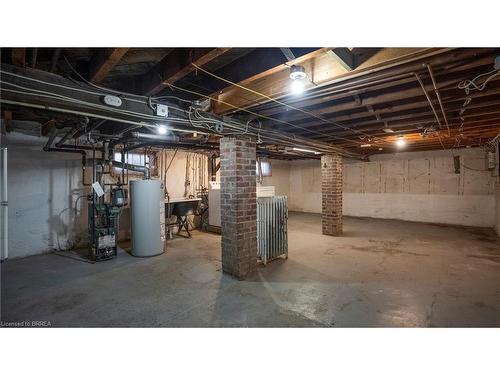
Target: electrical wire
(262, 116)
(98, 86)
(272, 135)
(144, 101)
(309, 113)
(76, 101)
(42, 93)
(470, 85)
(66, 98)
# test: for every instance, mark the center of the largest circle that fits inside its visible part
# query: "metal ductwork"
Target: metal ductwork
(133, 167)
(155, 137)
(137, 136)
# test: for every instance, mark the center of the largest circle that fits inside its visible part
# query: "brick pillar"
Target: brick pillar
(331, 193)
(238, 206)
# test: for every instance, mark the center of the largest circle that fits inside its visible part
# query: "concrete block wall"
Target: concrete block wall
(422, 186)
(238, 206)
(331, 192)
(414, 186)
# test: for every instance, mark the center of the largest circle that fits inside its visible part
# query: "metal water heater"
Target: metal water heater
(145, 197)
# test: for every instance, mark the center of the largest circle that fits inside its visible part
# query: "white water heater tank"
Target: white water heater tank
(145, 197)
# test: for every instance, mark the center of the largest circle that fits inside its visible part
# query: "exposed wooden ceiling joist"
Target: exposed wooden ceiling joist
(392, 111)
(344, 56)
(380, 89)
(388, 99)
(18, 56)
(317, 98)
(321, 70)
(272, 82)
(287, 52)
(104, 61)
(175, 66)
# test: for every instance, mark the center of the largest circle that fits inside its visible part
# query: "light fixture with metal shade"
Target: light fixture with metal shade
(297, 72)
(297, 75)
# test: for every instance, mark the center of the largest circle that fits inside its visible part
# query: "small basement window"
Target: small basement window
(133, 158)
(265, 165)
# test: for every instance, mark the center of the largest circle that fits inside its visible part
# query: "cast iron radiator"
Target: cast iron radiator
(272, 231)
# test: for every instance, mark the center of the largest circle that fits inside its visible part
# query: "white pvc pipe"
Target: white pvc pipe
(4, 240)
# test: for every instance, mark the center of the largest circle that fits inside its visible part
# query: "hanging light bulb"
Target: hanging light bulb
(297, 75)
(162, 129)
(297, 87)
(297, 72)
(400, 143)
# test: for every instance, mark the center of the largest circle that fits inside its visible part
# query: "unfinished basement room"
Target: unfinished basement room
(250, 187)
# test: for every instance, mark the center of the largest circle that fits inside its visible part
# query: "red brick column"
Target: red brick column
(331, 192)
(238, 206)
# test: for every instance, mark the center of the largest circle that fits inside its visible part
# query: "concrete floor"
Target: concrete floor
(380, 273)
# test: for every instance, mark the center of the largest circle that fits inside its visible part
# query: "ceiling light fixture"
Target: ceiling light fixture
(400, 142)
(301, 150)
(297, 72)
(387, 129)
(297, 87)
(162, 129)
(297, 75)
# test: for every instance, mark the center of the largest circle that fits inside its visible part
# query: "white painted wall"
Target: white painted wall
(42, 191)
(280, 179)
(176, 174)
(415, 186)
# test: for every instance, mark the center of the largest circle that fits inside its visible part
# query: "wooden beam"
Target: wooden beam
(104, 61)
(47, 127)
(321, 70)
(415, 139)
(19, 57)
(175, 66)
(287, 52)
(374, 129)
(343, 56)
(34, 53)
(379, 99)
(67, 100)
(55, 59)
(265, 82)
(455, 68)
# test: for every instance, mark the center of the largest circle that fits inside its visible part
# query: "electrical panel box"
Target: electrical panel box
(112, 100)
(161, 110)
